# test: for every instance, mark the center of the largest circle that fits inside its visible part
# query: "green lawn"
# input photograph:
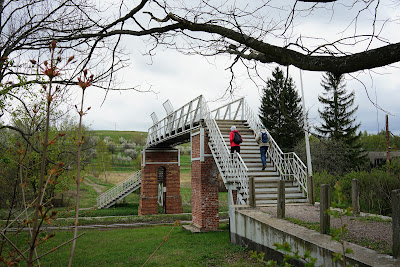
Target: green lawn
(132, 247)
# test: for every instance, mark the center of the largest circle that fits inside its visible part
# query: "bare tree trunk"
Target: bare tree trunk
(41, 178)
(83, 84)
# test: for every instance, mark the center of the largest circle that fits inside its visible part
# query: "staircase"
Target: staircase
(266, 182)
(119, 191)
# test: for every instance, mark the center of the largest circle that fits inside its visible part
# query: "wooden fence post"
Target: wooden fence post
(311, 196)
(252, 192)
(325, 219)
(396, 223)
(281, 200)
(355, 197)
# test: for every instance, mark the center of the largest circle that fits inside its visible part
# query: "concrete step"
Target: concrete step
(274, 190)
(270, 196)
(266, 181)
(260, 174)
(274, 201)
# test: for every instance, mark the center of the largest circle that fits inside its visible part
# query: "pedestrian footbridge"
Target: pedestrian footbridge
(179, 126)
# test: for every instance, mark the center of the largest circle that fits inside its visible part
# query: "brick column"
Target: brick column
(152, 160)
(205, 215)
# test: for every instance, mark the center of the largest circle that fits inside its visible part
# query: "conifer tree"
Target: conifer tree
(338, 120)
(281, 112)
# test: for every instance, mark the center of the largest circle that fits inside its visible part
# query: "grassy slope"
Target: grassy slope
(132, 247)
(137, 137)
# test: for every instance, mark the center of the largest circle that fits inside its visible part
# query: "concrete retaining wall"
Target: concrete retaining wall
(255, 229)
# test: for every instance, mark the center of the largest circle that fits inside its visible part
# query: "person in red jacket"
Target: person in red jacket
(235, 146)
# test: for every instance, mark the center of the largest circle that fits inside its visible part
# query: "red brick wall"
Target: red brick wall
(204, 188)
(148, 194)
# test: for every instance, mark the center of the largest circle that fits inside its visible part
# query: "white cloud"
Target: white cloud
(181, 78)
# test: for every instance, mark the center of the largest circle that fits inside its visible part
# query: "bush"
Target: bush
(131, 153)
(375, 187)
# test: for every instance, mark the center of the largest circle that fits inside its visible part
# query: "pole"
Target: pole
(308, 152)
(387, 141)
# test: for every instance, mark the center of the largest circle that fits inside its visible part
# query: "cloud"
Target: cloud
(181, 78)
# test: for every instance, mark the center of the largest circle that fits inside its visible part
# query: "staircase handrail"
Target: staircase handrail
(181, 119)
(232, 168)
(120, 188)
(289, 164)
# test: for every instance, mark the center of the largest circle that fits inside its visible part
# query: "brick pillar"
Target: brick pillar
(234, 196)
(152, 160)
(205, 215)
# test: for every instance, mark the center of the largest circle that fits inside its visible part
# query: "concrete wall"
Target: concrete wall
(257, 230)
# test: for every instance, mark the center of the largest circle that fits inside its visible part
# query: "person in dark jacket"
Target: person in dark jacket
(234, 146)
(263, 145)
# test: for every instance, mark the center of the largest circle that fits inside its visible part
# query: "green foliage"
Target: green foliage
(377, 142)
(324, 152)
(131, 136)
(339, 209)
(289, 255)
(103, 160)
(281, 112)
(337, 116)
(257, 256)
(375, 187)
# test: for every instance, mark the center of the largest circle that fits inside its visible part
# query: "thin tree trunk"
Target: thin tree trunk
(41, 178)
(78, 182)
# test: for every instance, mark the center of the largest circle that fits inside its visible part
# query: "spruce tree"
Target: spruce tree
(338, 120)
(281, 112)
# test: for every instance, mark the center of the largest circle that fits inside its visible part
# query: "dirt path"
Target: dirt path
(98, 188)
(361, 230)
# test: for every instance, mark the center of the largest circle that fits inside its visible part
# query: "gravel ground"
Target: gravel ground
(376, 231)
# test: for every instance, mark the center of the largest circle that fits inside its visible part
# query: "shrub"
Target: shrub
(375, 187)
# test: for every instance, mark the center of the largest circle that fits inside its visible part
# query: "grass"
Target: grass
(132, 247)
(371, 218)
(87, 196)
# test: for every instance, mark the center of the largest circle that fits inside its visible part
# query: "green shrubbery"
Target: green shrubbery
(375, 187)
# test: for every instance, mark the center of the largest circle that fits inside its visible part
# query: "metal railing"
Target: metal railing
(118, 190)
(177, 122)
(289, 165)
(232, 168)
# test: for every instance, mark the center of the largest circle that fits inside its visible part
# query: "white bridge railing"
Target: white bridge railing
(232, 168)
(118, 190)
(177, 122)
(288, 165)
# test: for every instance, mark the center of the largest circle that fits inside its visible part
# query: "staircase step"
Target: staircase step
(274, 201)
(266, 181)
(275, 196)
(261, 174)
(266, 190)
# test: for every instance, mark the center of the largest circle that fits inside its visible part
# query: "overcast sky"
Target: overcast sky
(181, 78)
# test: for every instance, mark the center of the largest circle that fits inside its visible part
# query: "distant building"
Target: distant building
(378, 158)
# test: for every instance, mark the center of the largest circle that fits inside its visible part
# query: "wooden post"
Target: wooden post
(325, 219)
(311, 195)
(396, 223)
(281, 200)
(355, 197)
(252, 192)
